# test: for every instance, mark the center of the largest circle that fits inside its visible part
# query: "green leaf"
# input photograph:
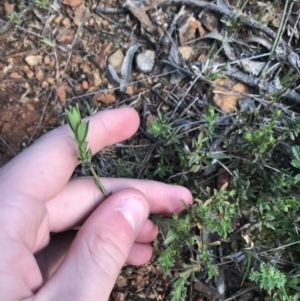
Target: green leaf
(269, 277)
(71, 121)
(89, 109)
(170, 237)
(296, 163)
(296, 152)
(293, 286)
(217, 156)
(157, 129)
(82, 147)
(47, 42)
(82, 131)
(167, 259)
(195, 168)
(89, 156)
(73, 118)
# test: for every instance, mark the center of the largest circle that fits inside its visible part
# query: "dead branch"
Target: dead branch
(263, 85)
(250, 22)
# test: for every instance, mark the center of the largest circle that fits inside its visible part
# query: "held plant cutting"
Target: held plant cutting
(80, 130)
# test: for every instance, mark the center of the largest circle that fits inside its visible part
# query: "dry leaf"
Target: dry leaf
(67, 36)
(175, 59)
(201, 30)
(271, 14)
(139, 8)
(209, 292)
(101, 58)
(119, 296)
(47, 27)
(58, 19)
(85, 85)
(129, 90)
(276, 20)
(223, 178)
(81, 15)
(73, 3)
(226, 43)
(56, 5)
(202, 57)
(30, 74)
(93, 75)
(140, 282)
(187, 52)
(8, 7)
(105, 98)
(121, 281)
(187, 31)
(260, 40)
(24, 100)
(39, 74)
(66, 22)
(116, 60)
(210, 21)
(5, 70)
(225, 98)
(296, 7)
(253, 67)
(15, 75)
(61, 92)
(97, 81)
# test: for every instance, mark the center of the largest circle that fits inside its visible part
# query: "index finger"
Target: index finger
(43, 169)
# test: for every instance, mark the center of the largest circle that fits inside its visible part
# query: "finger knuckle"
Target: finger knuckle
(106, 253)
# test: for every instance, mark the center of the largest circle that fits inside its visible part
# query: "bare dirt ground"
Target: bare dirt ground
(82, 51)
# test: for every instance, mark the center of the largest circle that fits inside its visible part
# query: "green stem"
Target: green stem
(277, 38)
(98, 182)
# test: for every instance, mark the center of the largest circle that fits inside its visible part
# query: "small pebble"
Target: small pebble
(47, 60)
(66, 22)
(145, 61)
(85, 85)
(129, 90)
(15, 75)
(57, 19)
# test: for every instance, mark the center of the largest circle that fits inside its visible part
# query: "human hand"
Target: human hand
(37, 197)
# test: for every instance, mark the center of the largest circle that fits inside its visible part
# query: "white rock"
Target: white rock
(145, 61)
(33, 60)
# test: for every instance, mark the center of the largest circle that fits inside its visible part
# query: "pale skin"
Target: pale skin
(37, 197)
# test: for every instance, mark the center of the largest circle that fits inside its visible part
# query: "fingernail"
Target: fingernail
(134, 211)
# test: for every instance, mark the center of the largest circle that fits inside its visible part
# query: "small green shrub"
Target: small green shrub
(42, 4)
(261, 189)
(14, 17)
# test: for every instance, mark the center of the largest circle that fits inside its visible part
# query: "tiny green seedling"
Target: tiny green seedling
(42, 4)
(47, 42)
(80, 129)
(14, 17)
(210, 117)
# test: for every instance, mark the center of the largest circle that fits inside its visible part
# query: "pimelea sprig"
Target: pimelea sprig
(80, 129)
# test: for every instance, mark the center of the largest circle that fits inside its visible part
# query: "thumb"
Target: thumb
(100, 249)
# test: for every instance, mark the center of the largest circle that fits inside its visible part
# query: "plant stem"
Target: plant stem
(98, 182)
